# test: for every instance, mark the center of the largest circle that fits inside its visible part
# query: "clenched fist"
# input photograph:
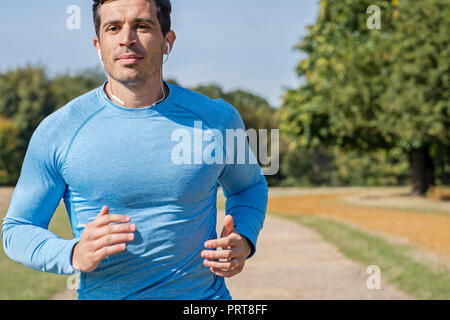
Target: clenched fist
(100, 239)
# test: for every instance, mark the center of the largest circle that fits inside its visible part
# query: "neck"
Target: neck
(142, 95)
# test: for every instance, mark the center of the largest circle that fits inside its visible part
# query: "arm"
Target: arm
(246, 190)
(248, 209)
(25, 235)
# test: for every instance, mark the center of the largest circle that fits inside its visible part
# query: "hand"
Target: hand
(101, 239)
(235, 249)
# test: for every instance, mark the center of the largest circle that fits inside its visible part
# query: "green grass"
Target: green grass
(400, 264)
(20, 282)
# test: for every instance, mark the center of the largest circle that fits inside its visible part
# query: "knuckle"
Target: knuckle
(92, 256)
(87, 233)
(108, 239)
(102, 253)
(89, 246)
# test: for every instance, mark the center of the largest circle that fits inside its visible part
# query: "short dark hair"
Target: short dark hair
(164, 10)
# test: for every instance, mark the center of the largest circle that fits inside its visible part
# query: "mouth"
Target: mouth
(129, 59)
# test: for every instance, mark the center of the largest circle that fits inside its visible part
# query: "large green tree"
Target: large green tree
(27, 96)
(26, 99)
(416, 104)
(348, 72)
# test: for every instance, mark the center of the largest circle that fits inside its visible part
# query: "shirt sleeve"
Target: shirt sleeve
(244, 186)
(25, 235)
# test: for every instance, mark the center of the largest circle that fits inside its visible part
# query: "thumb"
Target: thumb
(104, 211)
(228, 224)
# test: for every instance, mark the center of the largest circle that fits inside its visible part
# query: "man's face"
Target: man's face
(131, 40)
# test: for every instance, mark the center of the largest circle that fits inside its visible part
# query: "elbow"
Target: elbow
(262, 183)
(6, 235)
(10, 236)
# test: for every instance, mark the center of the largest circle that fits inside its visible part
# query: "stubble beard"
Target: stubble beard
(141, 78)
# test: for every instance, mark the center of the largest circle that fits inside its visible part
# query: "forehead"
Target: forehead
(128, 10)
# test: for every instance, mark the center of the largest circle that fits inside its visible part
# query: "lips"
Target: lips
(129, 59)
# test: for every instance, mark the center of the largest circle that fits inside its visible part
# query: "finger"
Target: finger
(220, 254)
(102, 253)
(111, 218)
(223, 234)
(221, 243)
(228, 224)
(224, 265)
(225, 273)
(103, 211)
(111, 239)
(110, 229)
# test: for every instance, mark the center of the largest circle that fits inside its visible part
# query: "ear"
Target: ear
(170, 39)
(96, 43)
(97, 47)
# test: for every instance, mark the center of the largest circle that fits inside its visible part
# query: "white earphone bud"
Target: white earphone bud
(168, 52)
(99, 53)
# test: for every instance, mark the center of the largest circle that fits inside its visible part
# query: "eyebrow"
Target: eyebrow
(137, 20)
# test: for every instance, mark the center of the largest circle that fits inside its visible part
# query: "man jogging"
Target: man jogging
(143, 221)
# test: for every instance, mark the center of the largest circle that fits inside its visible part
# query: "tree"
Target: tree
(416, 104)
(339, 103)
(349, 72)
(25, 98)
(9, 157)
(66, 87)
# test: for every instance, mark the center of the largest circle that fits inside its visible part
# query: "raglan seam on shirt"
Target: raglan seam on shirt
(77, 131)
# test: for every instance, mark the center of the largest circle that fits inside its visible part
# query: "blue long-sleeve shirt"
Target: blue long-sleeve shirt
(92, 152)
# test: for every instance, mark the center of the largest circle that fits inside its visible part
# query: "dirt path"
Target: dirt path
(426, 230)
(294, 262)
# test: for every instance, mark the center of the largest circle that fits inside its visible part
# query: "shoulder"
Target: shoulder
(216, 112)
(65, 120)
(52, 137)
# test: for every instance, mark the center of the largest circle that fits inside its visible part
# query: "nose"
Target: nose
(128, 37)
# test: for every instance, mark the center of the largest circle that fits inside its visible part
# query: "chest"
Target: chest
(136, 163)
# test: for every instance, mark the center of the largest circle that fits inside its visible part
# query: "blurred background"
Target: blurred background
(359, 90)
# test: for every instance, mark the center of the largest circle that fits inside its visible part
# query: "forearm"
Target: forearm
(248, 209)
(37, 247)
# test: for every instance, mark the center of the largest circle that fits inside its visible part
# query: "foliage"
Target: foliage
(370, 91)
(9, 157)
(416, 105)
(27, 96)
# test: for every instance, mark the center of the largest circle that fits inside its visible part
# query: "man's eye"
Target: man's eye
(142, 26)
(112, 29)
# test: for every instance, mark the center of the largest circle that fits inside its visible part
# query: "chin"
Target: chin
(130, 80)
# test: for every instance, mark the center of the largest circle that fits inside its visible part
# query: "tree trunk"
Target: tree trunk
(422, 170)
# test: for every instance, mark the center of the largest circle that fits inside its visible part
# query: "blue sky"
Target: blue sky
(235, 43)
